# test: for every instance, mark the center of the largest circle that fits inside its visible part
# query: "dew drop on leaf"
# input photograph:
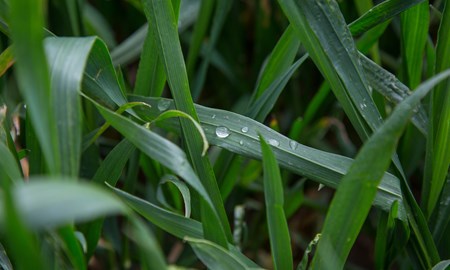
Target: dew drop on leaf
(163, 105)
(293, 145)
(273, 142)
(222, 132)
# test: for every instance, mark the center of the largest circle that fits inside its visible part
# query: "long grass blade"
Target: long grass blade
(242, 139)
(174, 224)
(27, 22)
(380, 13)
(160, 14)
(438, 144)
(280, 242)
(414, 22)
(215, 256)
(354, 195)
(67, 58)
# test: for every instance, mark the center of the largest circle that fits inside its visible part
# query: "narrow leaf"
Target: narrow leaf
(280, 243)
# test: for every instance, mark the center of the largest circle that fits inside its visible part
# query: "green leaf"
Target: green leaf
(8, 164)
(27, 22)
(320, 166)
(67, 59)
(443, 265)
(174, 113)
(172, 223)
(442, 213)
(380, 13)
(149, 248)
(280, 242)
(414, 22)
(215, 256)
(393, 90)
(184, 190)
(150, 77)
(158, 148)
(22, 246)
(6, 60)
(160, 14)
(278, 62)
(355, 193)
(46, 202)
(322, 30)
(438, 144)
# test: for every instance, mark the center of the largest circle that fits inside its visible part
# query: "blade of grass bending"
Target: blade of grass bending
(326, 168)
(160, 149)
(215, 256)
(280, 241)
(355, 193)
(160, 14)
(172, 223)
(27, 22)
(380, 13)
(414, 23)
(182, 188)
(438, 145)
(174, 113)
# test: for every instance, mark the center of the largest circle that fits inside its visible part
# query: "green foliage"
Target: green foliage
(130, 143)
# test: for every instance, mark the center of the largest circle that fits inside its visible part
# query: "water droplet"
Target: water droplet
(273, 142)
(244, 129)
(226, 117)
(213, 116)
(241, 142)
(362, 106)
(163, 105)
(222, 132)
(293, 145)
